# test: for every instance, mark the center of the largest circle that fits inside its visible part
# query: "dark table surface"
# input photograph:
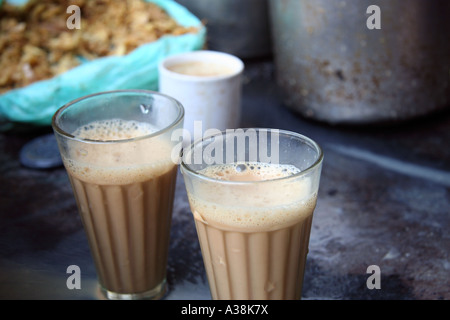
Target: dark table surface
(384, 200)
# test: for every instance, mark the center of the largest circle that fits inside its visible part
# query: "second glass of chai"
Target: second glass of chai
(252, 193)
(117, 149)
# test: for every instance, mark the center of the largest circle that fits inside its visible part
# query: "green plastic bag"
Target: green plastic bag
(36, 103)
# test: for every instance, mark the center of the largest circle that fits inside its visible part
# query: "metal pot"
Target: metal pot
(237, 27)
(333, 68)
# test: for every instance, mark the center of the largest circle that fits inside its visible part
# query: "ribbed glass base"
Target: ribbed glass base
(155, 294)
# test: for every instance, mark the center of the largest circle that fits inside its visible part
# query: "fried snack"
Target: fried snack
(36, 44)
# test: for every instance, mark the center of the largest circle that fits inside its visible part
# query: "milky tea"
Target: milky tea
(123, 179)
(127, 209)
(253, 221)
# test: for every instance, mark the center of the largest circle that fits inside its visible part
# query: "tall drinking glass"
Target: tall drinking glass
(252, 193)
(117, 150)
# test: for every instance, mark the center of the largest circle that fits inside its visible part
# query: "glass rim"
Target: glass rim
(70, 136)
(187, 168)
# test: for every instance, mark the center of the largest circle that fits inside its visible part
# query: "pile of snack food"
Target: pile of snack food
(36, 42)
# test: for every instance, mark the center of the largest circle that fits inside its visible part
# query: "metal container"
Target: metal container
(332, 67)
(237, 27)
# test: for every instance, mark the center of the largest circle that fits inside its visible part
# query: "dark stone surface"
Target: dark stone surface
(384, 200)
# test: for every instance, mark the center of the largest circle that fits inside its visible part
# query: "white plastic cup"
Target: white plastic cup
(212, 99)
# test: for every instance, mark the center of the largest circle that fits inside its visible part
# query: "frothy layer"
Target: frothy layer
(120, 162)
(252, 207)
(249, 171)
(201, 69)
(114, 129)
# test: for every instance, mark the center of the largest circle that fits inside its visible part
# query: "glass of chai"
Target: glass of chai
(252, 193)
(208, 84)
(117, 150)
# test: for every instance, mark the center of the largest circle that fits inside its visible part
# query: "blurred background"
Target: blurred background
(376, 100)
(330, 65)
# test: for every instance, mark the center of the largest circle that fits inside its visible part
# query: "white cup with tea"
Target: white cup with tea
(208, 84)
